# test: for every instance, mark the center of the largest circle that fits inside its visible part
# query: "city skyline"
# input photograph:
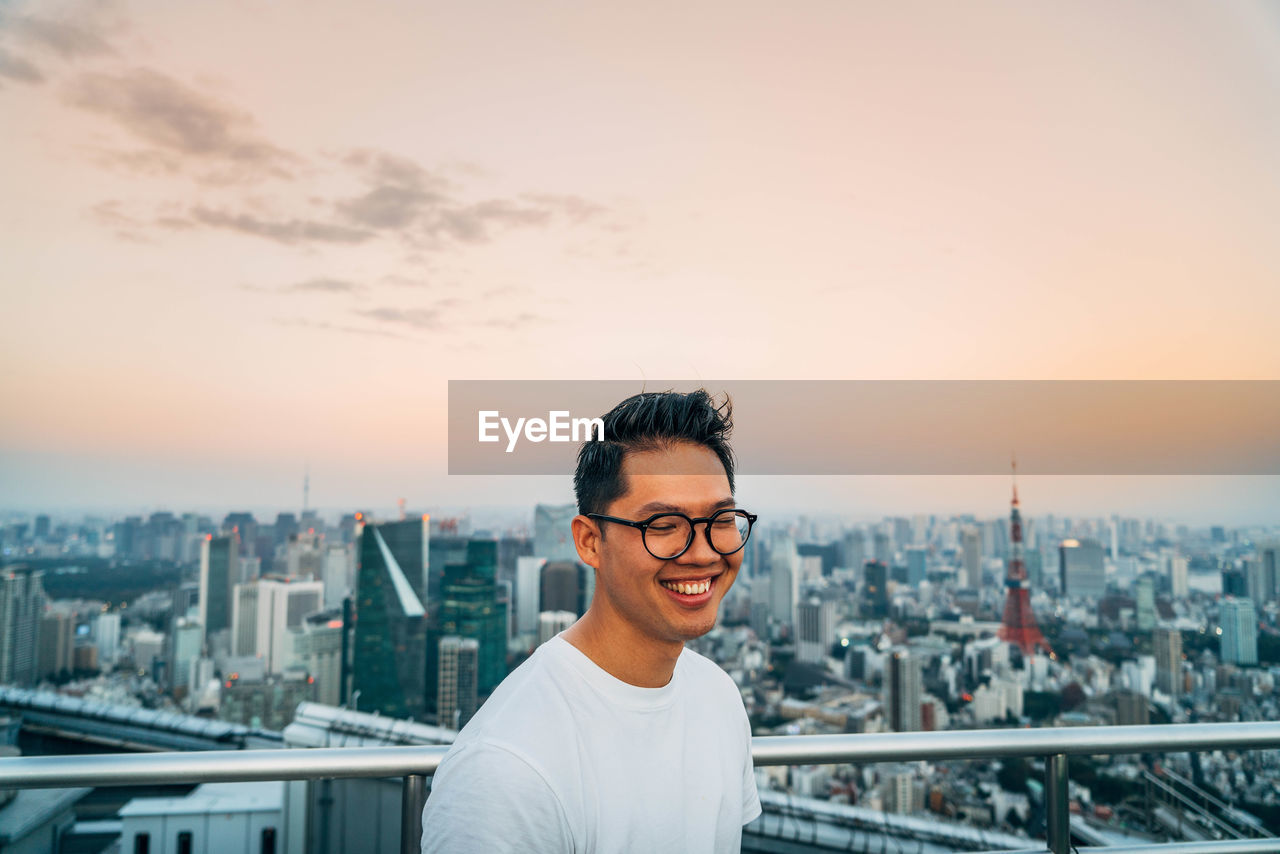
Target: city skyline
(232, 251)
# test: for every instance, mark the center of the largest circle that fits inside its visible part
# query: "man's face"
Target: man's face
(634, 581)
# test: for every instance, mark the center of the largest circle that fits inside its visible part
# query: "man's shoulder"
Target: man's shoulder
(708, 675)
(534, 697)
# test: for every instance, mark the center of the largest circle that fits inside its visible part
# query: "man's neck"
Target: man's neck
(623, 653)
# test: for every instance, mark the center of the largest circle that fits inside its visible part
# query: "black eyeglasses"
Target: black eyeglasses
(666, 536)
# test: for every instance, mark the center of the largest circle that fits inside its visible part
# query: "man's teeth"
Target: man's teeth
(688, 588)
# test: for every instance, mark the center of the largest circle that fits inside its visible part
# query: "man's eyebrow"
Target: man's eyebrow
(664, 507)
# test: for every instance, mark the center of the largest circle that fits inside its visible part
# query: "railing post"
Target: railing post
(412, 800)
(1057, 808)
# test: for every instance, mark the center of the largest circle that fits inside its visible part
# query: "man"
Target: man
(612, 736)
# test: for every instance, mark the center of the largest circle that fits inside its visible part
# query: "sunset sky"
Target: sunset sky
(241, 238)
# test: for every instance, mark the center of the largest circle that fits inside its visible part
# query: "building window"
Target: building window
(142, 843)
(268, 840)
(184, 842)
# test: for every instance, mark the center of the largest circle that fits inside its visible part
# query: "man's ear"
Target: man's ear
(586, 538)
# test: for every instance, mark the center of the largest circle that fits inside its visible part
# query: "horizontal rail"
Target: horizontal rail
(317, 763)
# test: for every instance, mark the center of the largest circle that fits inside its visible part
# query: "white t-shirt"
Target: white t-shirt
(565, 757)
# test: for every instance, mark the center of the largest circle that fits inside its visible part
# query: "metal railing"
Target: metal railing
(415, 764)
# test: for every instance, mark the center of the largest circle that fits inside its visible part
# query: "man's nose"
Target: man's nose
(700, 550)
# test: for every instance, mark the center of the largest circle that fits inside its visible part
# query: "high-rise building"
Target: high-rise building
(875, 589)
(528, 593)
(316, 647)
(784, 581)
(552, 623)
(917, 564)
(1263, 578)
(459, 665)
(552, 535)
(57, 644)
(1081, 569)
(903, 690)
(389, 656)
(1168, 649)
(21, 607)
(853, 549)
(263, 612)
(1177, 565)
(883, 547)
(816, 630)
(1239, 622)
(185, 648)
(971, 561)
(562, 587)
(1145, 604)
(471, 610)
(219, 574)
(106, 638)
(338, 572)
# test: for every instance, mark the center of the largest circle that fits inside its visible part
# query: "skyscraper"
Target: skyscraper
(57, 644)
(458, 669)
(917, 564)
(816, 630)
(1177, 565)
(1145, 604)
(562, 586)
(219, 573)
(552, 537)
(1168, 649)
(875, 588)
(971, 541)
(388, 662)
(263, 612)
(1239, 623)
(471, 610)
(903, 689)
(528, 593)
(784, 581)
(1263, 578)
(21, 607)
(1081, 569)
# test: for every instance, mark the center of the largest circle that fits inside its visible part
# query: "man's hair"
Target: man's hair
(650, 421)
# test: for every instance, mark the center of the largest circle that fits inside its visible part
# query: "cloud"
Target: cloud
(415, 318)
(288, 231)
(16, 68)
(521, 320)
(387, 206)
(68, 41)
(323, 286)
(176, 118)
(576, 208)
(321, 325)
(471, 223)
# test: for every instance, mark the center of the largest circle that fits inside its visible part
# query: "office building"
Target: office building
(264, 610)
(917, 564)
(1081, 569)
(315, 646)
(563, 586)
(1177, 566)
(816, 630)
(552, 623)
(389, 647)
(57, 645)
(875, 590)
(552, 534)
(1239, 623)
(853, 549)
(471, 610)
(1145, 604)
(903, 691)
(784, 582)
(1263, 573)
(21, 607)
(1168, 650)
(219, 574)
(186, 643)
(971, 559)
(528, 593)
(459, 670)
(106, 638)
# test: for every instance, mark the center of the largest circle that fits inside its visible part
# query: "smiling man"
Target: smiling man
(612, 736)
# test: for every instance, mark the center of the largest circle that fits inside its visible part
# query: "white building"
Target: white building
(528, 574)
(552, 623)
(227, 818)
(262, 612)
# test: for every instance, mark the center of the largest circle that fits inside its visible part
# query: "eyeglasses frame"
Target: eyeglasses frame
(643, 526)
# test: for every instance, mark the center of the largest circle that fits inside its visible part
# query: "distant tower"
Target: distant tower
(1019, 621)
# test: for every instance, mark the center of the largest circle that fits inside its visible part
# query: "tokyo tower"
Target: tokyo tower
(1019, 623)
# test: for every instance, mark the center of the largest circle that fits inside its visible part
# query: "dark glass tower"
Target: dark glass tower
(471, 610)
(388, 659)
